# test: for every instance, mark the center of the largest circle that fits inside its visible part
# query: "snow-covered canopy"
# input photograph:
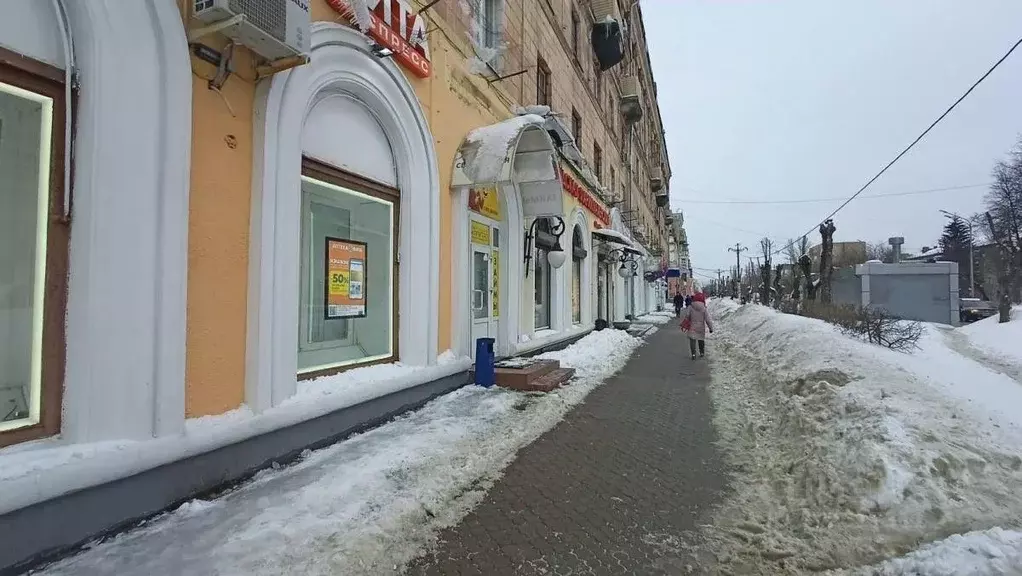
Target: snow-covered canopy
(487, 154)
(611, 237)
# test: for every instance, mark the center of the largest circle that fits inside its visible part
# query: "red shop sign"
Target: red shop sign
(398, 27)
(578, 192)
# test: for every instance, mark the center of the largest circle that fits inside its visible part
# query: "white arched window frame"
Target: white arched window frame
(126, 306)
(578, 222)
(341, 63)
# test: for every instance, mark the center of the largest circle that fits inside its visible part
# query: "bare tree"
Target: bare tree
(764, 292)
(1004, 223)
(1005, 268)
(777, 286)
(881, 251)
(805, 263)
(795, 250)
(827, 230)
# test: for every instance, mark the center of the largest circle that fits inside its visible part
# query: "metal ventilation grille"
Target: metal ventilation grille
(269, 16)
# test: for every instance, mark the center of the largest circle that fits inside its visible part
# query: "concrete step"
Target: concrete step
(547, 382)
(518, 377)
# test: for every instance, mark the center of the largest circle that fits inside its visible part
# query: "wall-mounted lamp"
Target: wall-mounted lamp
(381, 51)
(555, 255)
(628, 268)
(628, 263)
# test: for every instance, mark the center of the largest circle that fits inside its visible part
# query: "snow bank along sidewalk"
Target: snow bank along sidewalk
(658, 317)
(846, 454)
(366, 505)
(996, 345)
(996, 338)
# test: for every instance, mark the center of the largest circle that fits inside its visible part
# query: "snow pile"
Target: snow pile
(32, 459)
(1002, 340)
(596, 356)
(846, 453)
(367, 505)
(980, 553)
(486, 149)
(356, 385)
(656, 318)
(38, 471)
(486, 58)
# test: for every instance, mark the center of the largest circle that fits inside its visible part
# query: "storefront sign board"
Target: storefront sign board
(480, 233)
(485, 202)
(397, 26)
(345, 279)
(577, 191)
(539, 201)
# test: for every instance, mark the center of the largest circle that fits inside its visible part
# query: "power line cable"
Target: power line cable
(735, 228)
(814, 200)
(912, 145)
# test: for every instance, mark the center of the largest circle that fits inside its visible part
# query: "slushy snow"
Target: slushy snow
(366, 505)
(847, 455)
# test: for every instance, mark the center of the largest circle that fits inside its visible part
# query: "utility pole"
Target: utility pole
(972, 248)
(738, 249)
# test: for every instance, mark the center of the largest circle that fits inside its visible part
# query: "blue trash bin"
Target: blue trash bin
(485, 376)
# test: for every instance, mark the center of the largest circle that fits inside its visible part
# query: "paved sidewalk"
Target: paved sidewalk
(612, 489)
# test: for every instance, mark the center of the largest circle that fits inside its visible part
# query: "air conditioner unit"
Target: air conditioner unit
(630, 86)
(273, 29)
(605, 9)
(631, 102)
(662, 198)
(656, 179)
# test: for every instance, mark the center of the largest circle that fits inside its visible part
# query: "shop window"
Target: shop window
(33, 249)
(576, 128)
(542, 82)
(348, 272)
(578, 254)
(542, 275)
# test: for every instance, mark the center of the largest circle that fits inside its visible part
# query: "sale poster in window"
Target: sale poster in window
(345, 278)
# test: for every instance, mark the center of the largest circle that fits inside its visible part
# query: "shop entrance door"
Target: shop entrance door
(483, 289)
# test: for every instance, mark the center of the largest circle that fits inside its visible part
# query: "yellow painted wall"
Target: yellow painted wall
(454, 103)
(218, 230)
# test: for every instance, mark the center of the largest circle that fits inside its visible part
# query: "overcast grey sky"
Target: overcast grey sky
(805, 99)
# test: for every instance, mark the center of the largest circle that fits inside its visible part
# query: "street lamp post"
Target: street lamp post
(972, 267)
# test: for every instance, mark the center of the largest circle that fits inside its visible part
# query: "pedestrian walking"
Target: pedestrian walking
(695, 322)
(679, 301)
(688, 301)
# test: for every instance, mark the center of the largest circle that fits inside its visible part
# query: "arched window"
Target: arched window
(578, 256)
(544, 242)
(33, 248)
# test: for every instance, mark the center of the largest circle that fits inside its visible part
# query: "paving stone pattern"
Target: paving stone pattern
(618, 487)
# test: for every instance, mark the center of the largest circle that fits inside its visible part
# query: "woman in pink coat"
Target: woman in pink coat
(698, 321)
